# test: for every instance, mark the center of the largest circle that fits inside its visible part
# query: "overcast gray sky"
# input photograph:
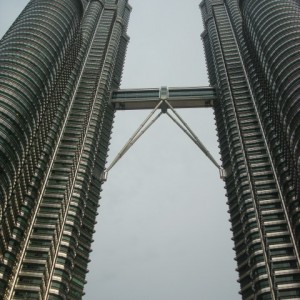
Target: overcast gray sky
(163, 230)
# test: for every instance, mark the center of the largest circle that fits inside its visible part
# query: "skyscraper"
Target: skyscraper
(252, 50)
(59, 62)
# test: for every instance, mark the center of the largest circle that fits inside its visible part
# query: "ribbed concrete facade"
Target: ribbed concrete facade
(59, 62)
(253, 130)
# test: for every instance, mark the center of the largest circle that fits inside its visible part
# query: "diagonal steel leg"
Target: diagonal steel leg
(137, 134)
(146, 125)
(191, 134)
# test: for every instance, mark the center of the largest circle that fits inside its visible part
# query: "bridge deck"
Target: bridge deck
(187, 97)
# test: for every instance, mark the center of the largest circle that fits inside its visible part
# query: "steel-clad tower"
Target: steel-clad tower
(252, 50)
(59, 62)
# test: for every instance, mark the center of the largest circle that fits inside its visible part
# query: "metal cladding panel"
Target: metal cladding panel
(84, 3)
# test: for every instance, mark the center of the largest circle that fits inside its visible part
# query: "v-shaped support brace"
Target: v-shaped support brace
(164, 105)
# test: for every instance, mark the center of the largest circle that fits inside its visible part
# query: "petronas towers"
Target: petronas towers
(60, 62)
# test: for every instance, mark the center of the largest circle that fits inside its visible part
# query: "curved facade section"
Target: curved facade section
(31, 55)
(272, 30)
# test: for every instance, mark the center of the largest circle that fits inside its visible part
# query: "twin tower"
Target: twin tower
(60, 62)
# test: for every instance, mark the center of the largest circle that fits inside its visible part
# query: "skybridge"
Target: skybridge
(163, 101)
(183, 97)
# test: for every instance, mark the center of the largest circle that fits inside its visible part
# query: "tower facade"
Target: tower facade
(60, 60)
(252, 50)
